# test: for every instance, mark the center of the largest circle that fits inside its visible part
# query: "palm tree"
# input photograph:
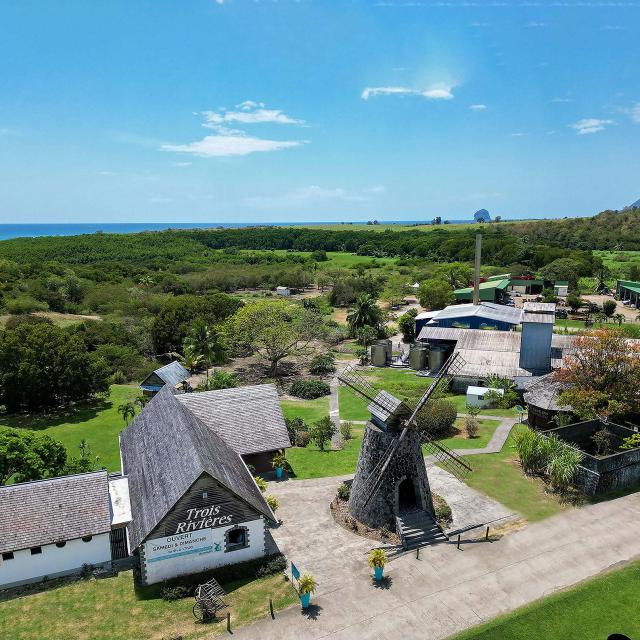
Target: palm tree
(206, 341)
(141, 401)
(365, 312)
(127, 411)
(191, 359)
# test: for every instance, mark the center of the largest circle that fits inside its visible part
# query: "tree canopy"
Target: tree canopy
(43, 366)
(602, 376)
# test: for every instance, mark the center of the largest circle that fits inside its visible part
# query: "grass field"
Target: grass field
(310, 462)
(110, 609)
(98, 422)
(591, 611)
(460, 440)
(460, 402)
(308, 410)
(499, 476)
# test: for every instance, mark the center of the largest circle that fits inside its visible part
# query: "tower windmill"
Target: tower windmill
(391, 487)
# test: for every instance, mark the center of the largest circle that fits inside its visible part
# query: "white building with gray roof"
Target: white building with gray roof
(195, 505)
(53, 527)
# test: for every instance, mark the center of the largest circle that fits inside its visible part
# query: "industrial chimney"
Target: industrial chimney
(476, 277)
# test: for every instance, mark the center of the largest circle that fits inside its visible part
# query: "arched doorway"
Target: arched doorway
(406, 495)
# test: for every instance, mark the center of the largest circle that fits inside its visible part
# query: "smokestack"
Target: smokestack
(476, 277)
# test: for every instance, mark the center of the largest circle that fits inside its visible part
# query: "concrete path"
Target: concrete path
(497, 440)
(446, 590)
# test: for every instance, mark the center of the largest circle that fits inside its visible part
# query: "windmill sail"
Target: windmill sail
(445, 456)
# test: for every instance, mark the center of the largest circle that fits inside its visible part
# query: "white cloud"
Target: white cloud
(436, 92)
(478, 107)
(219, 146)
(518, 134)
(612, 27)
(228, 141)
(249, 112)
(634, 112)
(182, 164)
(219, 1)
(536, 25)
(589, 125)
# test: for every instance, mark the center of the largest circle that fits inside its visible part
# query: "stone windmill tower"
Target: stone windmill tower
(391, 487)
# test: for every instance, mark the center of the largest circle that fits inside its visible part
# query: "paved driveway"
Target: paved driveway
(446, 590)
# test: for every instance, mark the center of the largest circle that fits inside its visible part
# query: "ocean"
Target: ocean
(8, 231)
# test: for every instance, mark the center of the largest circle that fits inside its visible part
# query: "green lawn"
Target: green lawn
(591, 611)
(400, 382)
(310, 462)
(110, 609)
(499, 476)
(460, 402)
(308, 410)
(98, 422)
(460, 440)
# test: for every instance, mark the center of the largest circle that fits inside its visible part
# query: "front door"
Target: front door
(406, 495)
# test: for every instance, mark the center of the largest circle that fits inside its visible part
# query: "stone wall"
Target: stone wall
(408, 462)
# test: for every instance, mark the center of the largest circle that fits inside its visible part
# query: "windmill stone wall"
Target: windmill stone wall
(407, 463)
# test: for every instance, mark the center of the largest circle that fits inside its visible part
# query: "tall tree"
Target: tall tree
(602, 376)
(44, 366)
(435, 294)
(207, 341)
(365, 312)
(274, 329)
(29, 456)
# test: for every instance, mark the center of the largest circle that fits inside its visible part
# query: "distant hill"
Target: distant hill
(635, 205)
(482, 215)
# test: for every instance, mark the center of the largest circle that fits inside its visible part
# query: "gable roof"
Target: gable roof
(249, 419)
(173, 373)
(489, 310)
(164, 451)
(33, 514)
(544, 392)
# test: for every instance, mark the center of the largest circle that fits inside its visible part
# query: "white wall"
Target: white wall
(54, 561)
(184, 565)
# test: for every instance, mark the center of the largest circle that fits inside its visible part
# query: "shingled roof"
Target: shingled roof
(543, 392)
(173, 374)
(165, 450)
(33, 514)
(249, 419)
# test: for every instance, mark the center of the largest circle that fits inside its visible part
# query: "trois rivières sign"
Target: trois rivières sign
(203, 518)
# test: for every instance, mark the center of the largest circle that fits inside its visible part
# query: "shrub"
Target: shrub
(322, 431)
(20, 306)
(117, 377)
(261, 482)
(344, 491)
(436, 418)
(632, 442)
(303, 438)
(323, 364)
(562, 466)
(472, 410)
(443, 511)
(603, 441)
(471, 426)
(175, 593)
(280, 460)
(345, 430)
(272, 501)
(309, 389)
(294, 425)
(276, 565)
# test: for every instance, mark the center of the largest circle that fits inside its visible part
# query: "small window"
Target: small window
(61, 544)
(36, 550)
(7, 555)
(205, 495)
(87, 538)
(236, 539)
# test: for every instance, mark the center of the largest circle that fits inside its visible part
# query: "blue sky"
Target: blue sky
(243, 110)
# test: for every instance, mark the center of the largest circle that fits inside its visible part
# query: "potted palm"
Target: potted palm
(377, 560)
(306, 586)
(279, 463)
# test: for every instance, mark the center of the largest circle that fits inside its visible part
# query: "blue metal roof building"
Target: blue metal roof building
(172, 374)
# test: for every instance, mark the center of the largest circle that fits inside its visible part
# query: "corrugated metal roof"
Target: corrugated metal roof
(490, 284)
(173, 373)
(488, 310)
(540, 307)
(33, 514)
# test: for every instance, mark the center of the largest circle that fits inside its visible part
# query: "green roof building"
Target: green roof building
(490, 291)
(628, 290)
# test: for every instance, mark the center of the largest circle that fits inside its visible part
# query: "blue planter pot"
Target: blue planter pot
(377, 572)
(305, 599)
(278, 473)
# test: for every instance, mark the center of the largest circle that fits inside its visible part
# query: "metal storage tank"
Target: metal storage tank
(437, 356)
(379, 356)
(388, 346)
(418, 356)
